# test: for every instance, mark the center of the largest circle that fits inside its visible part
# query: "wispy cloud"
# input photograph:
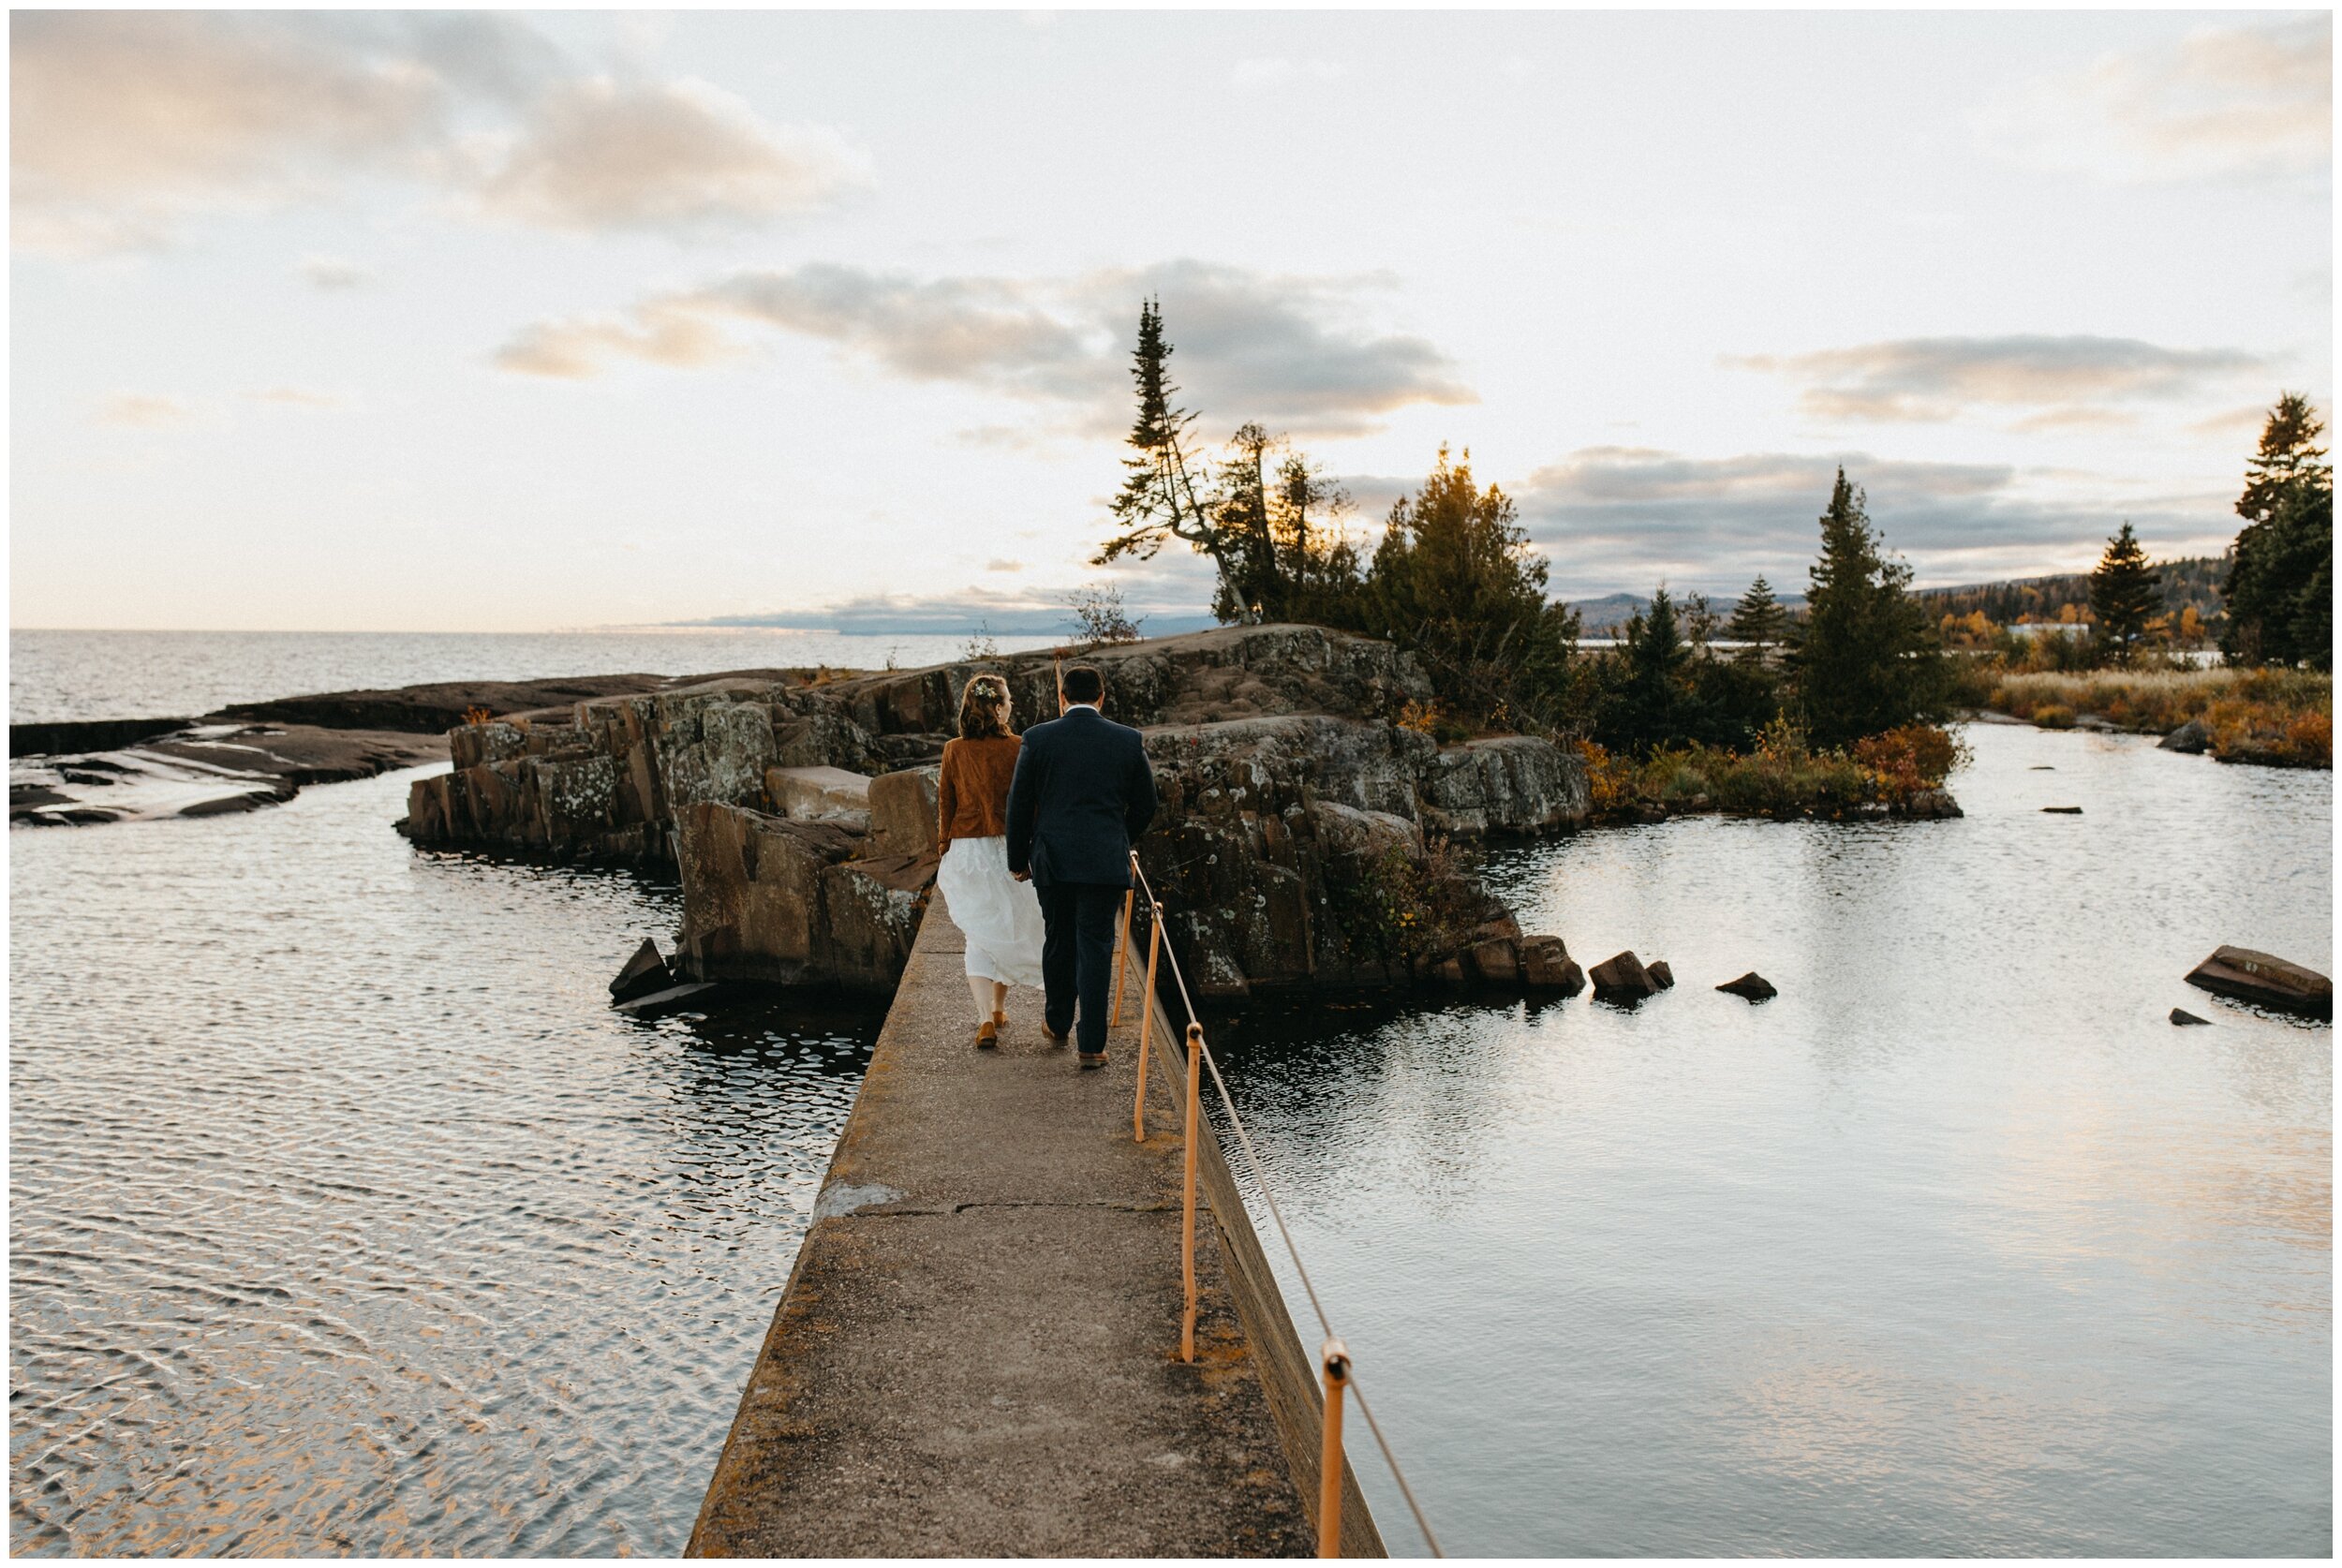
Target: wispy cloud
(1286, 350)
(142, 411)
(126, 125)
(299, 397)
(2064, 381)
(595, 154)
(2224, 102)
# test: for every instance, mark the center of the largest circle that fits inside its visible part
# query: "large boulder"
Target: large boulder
(821, 794)
(770, 898)
(903, 820)
(2240, 973)
(2191, 739)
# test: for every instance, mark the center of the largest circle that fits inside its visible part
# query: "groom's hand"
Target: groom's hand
(1022, 876)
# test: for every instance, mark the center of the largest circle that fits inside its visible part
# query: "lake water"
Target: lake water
(57, 675)
(346, 1216)
(1956, 1246)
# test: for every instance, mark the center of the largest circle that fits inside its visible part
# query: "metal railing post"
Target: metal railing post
(1187, 1207)
(1147, 1019)
(1335, 1357)
(1122, 948)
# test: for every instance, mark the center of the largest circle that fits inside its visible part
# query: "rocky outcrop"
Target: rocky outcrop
(2271, 981)
(1754, 986)
(1305, 837)
(202, 770)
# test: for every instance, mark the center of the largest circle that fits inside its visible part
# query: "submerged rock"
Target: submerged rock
(1661, 976)
(1547, 966)
(2183, 1017)
(1930, 805)
(1754, 986)
(2062, 810)
(2245, 975)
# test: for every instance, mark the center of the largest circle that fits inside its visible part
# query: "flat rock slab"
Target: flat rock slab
(2240, 973)
(977, 1354)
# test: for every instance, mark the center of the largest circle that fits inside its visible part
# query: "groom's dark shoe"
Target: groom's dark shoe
(1093, 1059)
(1055, 1037)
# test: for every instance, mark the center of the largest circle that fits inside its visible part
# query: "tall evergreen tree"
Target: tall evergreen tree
(1757, 621)
(1867, 658)
(2280, 582)
(2125, 594)
(1161, 499)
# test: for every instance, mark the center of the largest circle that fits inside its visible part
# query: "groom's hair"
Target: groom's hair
(1082, 683)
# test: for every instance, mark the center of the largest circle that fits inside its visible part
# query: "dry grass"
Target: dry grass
(2279, 716)
(1779, 776)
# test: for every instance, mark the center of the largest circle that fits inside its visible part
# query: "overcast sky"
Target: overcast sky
(531, 320)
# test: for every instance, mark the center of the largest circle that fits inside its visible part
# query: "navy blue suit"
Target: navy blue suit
(1082, 793)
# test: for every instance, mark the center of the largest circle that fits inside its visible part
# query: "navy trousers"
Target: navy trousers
(1078, 956)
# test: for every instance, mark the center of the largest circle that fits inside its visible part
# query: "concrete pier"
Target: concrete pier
(978, 1349)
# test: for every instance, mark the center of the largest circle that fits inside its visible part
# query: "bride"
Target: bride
(1000, 916)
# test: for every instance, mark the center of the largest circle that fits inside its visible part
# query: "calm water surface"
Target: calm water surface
(56, 675)
(345, 1215)
(1956, 1246)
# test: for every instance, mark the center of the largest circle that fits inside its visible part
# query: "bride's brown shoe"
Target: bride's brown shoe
(988, 1036)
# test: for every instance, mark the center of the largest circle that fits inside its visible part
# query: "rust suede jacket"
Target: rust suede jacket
(972, 798)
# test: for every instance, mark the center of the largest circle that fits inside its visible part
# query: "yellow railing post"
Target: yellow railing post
(1122, 948)
(1187, 1208)
(1336, 1358)
(1146, 1018)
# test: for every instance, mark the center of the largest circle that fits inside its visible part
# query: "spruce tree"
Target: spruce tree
(1160, 500)
(1867, 659)
(2125, 593)
(1757, 621)
(2280, 582)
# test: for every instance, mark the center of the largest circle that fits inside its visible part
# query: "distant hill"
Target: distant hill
(1607, 617)
(2191, 583)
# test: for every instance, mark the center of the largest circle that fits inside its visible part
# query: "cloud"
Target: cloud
(2224, 102)
(596, 156)
(126, 125)
(2065, 381)
(579, 347)
(1624, 518)
(996, 564)
(1288, 351)
(121, 122)
(142, 411)
(1280, 72)
(333, 272)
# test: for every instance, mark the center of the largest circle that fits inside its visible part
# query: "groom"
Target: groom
(1081, 793)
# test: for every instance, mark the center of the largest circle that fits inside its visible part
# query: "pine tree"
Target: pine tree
(1867, 659)
(1159, 501)
(1757, 621)
(2280, 582)
(2125, 593)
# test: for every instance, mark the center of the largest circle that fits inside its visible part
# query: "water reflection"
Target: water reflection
(347, 1215)
(1957, 1246)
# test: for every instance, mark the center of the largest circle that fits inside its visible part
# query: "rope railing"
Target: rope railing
(1338, 1372)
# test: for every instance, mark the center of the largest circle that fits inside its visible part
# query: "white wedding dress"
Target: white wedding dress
(1000, 916)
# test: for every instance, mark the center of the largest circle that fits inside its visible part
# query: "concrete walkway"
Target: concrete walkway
(977, 1354)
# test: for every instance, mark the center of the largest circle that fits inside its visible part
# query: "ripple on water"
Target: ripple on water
(345, 1214)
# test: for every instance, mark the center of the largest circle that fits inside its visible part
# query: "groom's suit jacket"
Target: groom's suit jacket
(1081, 793)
